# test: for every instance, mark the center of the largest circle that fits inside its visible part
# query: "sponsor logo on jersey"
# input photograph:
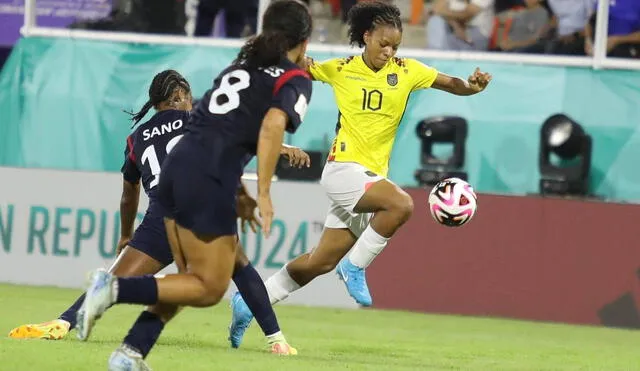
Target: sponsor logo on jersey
(356, 78)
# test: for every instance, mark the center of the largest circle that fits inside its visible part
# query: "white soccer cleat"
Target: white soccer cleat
(99, 298)
(126, 358)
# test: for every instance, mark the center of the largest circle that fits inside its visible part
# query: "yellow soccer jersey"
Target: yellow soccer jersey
(371, 105)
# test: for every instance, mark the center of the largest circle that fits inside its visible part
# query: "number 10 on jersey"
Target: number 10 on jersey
(371, 99)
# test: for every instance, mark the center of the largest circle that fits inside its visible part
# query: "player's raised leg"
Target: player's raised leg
(391, 208)
(333, 245)
(130, 262)
(256, 301)
(356, 194)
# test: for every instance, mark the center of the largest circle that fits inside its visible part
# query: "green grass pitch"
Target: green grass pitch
(327, 340)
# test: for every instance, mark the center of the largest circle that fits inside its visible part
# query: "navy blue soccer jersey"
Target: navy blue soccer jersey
(227, 120)
(148, 146)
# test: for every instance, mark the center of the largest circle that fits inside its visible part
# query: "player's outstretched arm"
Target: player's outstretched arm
(455, 85)
(128, 211)
(269, 146)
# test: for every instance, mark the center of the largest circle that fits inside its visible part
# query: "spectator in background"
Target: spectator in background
(238, 13)
(569, 20)
(522, 26)
(460, 24)
(624, 30)
(564, 33)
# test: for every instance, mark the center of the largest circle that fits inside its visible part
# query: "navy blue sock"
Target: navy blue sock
(137, 290)
(255, 295)
(144, 333)
(69, 315)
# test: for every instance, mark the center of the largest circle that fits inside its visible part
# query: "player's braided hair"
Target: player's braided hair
(366, 15)
(286, 23)
(161, 89)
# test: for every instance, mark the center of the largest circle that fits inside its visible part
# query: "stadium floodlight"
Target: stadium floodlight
(568, 172)
(441, 130)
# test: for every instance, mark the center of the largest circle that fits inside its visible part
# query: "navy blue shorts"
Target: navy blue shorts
(151, 236)
(191, 196)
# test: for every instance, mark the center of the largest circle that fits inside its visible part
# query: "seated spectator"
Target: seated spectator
(564, 34)
(521, 28)
(624, 30)
(571, 18)
(460, 24)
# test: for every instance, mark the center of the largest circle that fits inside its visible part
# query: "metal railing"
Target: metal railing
(599, 60)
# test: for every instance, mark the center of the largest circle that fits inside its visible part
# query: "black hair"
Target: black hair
(366, 15)
(161, 89)
(286, 24)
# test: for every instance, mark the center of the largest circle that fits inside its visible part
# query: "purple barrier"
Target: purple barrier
(50, 13)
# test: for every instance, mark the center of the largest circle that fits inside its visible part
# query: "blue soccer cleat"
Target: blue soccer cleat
(356, 282)
(240, 320)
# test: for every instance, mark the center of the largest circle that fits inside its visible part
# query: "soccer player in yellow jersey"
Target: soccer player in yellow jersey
(371, 91)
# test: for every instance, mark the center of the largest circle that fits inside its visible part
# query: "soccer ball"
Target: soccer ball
(452, 202)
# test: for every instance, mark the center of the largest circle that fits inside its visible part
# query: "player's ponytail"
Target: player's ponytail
(264, 50)
(136, 117)
(162, 87)
(286, 24)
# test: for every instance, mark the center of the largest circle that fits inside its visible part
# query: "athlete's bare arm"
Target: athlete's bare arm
(128, 211)
(269, 145)
(455, 85)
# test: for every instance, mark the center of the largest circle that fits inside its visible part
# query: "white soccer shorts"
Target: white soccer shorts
(345, 183)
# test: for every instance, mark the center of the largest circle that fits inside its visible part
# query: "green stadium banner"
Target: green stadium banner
(62, 103)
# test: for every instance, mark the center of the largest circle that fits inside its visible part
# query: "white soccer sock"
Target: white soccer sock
(367, 247)
(280, 285)
(275, 338)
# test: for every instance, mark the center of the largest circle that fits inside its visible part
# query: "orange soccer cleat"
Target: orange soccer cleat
(52, 330)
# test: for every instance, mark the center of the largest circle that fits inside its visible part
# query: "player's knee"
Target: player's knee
(403, 207)
(214, 295)
(211, 294)
(209, 299)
